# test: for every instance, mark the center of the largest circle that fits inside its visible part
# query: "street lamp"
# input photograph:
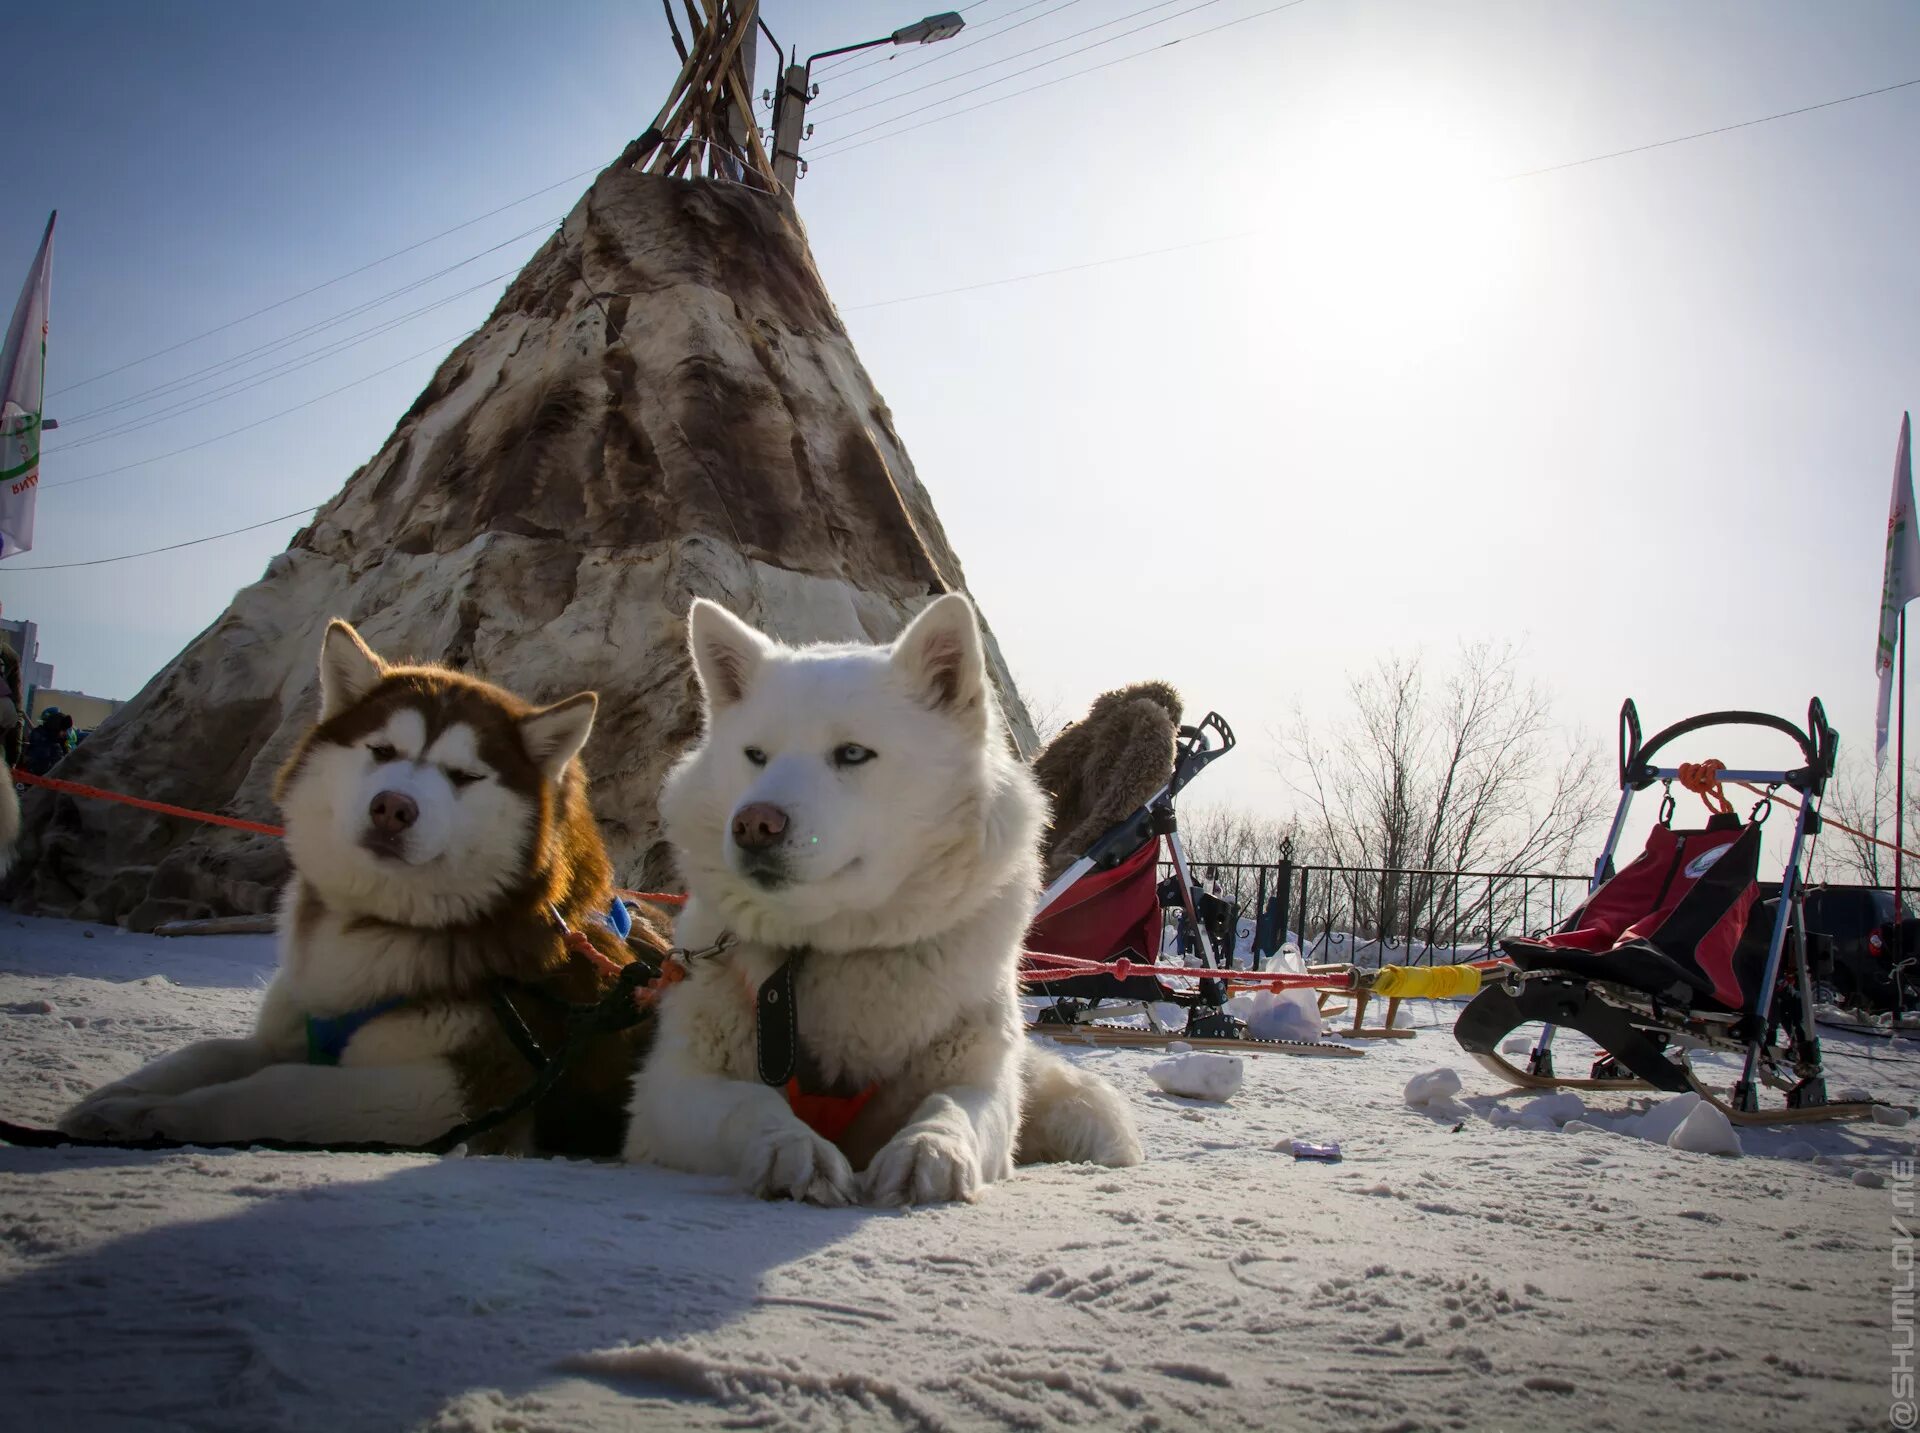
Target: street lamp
(796, 88)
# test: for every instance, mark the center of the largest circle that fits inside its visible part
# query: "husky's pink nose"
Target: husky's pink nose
(392, 813)
(758, 826)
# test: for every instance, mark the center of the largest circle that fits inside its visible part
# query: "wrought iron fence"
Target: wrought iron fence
(1369, 915)
(1437, 917)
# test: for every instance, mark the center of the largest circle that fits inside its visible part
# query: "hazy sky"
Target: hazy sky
(1638, 414)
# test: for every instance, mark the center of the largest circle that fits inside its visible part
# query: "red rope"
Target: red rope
(74, 788)
(1072, 967)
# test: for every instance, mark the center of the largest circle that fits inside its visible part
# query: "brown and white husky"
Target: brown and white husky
(442, 850)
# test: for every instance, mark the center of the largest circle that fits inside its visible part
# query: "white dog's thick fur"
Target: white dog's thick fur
(906, 871)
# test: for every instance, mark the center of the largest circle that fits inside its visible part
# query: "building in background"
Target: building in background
(25, 637)
(87, 712)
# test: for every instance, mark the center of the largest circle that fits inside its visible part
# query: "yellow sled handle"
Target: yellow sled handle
(1426, 982)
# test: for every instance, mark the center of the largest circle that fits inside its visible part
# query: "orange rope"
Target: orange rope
(1695, 776)
(1826, 820)
(1698, 777)
(74, 788)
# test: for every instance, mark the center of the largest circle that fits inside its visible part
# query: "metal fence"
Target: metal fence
(1381, 915)
(1438, 917)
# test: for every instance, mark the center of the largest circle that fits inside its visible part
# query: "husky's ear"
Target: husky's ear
(554, 735)
(726, 652)
(349, 669)
(940, 655)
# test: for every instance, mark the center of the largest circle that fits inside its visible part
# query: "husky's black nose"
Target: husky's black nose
(759, 826)
(393, 813)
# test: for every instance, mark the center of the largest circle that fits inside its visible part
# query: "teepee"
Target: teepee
(663, 405)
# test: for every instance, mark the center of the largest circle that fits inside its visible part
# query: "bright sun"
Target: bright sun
(1388, 234)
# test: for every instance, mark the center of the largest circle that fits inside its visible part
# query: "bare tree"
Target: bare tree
(1860, 796)
(1232, 851)
(1426, 777)
(1225, 835)
(1049, 717)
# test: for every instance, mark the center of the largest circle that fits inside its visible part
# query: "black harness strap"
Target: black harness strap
(514, 1027)
(776, 1024)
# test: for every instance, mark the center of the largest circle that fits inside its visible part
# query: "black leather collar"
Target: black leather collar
(776, 1022)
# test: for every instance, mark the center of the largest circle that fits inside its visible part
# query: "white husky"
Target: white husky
(854, 823)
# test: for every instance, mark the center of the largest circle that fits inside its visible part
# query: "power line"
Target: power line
(1063, 269)
(843, 147)
(6, 570)
(964, 288)
(1248, 233)
(1021, 55)
(444, 347)
(318, 326)
(293, 365)
(949, 52)
(1056, 60)
(842, 65)
(1706, 133)
(328, 283)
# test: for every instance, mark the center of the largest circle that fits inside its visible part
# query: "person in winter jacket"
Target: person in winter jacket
(50, 741)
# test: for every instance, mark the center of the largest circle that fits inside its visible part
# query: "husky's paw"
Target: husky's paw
(117, 1114)
(797, 1164)
(924, 1166)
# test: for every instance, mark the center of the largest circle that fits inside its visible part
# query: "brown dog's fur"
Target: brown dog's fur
(515, 944)
(1104, 766)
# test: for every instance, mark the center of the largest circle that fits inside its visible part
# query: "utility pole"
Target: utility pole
(796, 88)
(789, 116)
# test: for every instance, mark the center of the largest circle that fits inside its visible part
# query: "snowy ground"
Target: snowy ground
(1472, 1278)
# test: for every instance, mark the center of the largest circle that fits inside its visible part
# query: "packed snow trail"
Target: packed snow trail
(1446, 1274)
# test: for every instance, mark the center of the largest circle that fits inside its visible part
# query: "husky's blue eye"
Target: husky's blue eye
(381, 752)
(850, 754)
(462, 778)
(756, 756)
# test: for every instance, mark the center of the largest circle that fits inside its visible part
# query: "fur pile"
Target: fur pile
(1105, 766)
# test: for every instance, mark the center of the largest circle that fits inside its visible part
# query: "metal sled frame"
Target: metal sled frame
(1199, 747)
(1633, 1015)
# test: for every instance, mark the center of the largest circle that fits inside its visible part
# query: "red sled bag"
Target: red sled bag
(1670, 921)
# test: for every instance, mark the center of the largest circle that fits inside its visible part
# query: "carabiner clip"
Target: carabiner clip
(1666, 804)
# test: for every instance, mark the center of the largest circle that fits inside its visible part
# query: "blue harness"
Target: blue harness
(328, 1035)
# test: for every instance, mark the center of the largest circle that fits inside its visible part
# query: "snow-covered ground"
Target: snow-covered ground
(1448, 1273)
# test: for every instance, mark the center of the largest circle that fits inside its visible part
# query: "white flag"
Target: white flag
(1902, 583)
(23, 382)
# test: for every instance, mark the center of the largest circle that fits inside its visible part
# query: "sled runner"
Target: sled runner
(1091, 1032)
(1652, 968)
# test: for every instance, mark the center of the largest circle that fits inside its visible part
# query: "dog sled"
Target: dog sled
(1652, 967)
(1110, 908)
